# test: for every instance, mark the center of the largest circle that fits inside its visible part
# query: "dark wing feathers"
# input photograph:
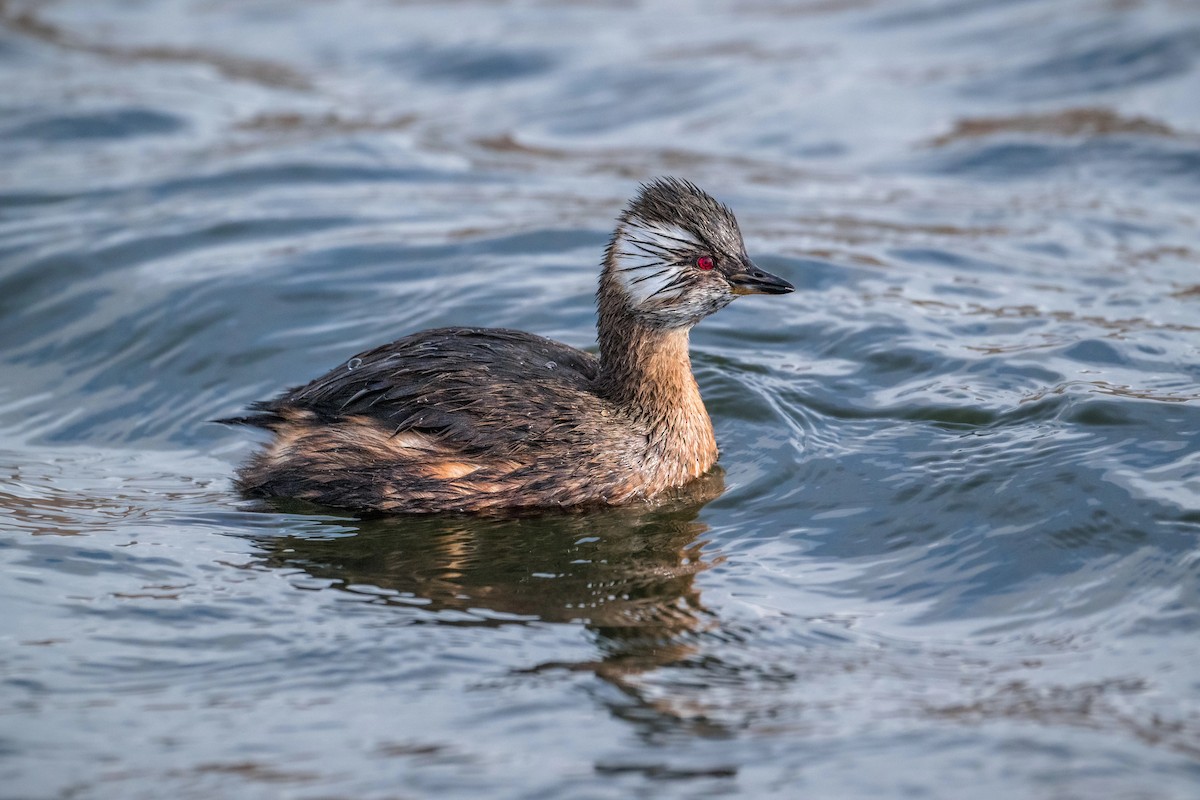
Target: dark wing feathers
(473, 386)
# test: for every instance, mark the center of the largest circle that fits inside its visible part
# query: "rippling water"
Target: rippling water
(953, 550)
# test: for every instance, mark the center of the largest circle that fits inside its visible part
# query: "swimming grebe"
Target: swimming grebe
(494, 420)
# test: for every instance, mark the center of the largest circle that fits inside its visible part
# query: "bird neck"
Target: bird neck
(647, 371)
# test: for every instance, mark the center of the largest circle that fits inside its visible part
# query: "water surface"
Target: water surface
(953, 545)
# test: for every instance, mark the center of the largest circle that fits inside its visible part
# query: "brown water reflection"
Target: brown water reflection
(627, 573)
(239, 68)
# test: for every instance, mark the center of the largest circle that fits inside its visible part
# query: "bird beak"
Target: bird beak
(756, 281)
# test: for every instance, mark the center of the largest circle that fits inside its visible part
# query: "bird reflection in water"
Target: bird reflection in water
(627, 574)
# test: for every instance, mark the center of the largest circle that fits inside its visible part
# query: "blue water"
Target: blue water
(953, 546)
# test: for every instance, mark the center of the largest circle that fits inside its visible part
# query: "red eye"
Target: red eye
(704, 263)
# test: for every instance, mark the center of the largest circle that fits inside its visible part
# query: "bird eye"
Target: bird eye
(704, 263)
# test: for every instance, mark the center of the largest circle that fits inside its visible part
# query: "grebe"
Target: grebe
(490, 420)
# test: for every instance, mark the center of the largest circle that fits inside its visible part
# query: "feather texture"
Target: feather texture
(490, 420)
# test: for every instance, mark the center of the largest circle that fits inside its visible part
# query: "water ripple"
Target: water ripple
(952, 540)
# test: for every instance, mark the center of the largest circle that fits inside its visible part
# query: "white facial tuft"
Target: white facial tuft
(645, 260)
